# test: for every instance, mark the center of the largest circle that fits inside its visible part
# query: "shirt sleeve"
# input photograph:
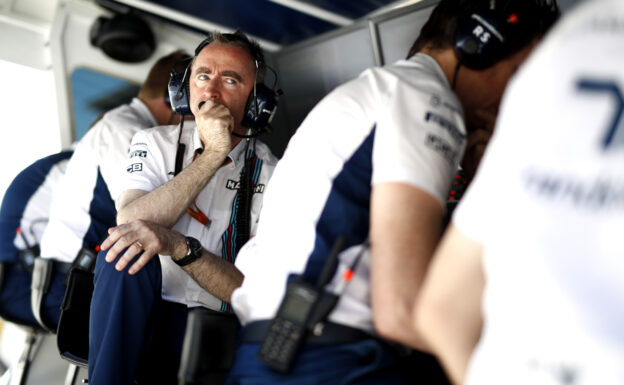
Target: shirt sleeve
(416, 141)
(145, 166)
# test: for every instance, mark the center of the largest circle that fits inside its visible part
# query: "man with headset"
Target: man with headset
(192, 218)
(388, 144)
(532, 294)
(82, 206)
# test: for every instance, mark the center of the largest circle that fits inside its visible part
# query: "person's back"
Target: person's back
(562, 280)
(551, 260)
(23, 218)
(340, 133)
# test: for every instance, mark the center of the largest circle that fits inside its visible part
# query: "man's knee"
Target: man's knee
(150, 271)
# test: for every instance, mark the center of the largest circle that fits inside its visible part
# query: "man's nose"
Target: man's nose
(213, 89)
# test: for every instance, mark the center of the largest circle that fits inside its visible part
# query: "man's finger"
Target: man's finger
(114, 233)
(127, 257)
(121, 242)
(141, 262)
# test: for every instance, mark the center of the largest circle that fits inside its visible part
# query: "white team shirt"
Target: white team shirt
(95, 167)
(399, 123)
(151, 164)
(548, 207)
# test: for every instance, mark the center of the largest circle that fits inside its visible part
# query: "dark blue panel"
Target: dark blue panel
(347, 209)
(261, 18)
(102, 212)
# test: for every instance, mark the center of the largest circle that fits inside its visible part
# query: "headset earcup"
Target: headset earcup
(479, 40)
(265, 103)
(178, 91)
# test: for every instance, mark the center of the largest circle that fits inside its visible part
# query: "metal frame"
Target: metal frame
(315, 11)
(370, 21)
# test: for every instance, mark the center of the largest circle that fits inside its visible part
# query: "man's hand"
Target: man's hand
(142, 236)
(215, 124)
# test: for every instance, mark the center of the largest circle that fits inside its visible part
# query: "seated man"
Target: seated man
(193, 221)
(526, 286)
(388, 144)
(23, 217)
(83, 208)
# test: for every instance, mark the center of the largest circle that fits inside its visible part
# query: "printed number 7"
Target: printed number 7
(610, 88)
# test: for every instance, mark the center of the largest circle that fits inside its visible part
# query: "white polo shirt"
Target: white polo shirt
(399, 123)
(82, 208)
(151, 164)
(548, 207)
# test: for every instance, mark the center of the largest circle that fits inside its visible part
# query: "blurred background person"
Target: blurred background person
(526, 286)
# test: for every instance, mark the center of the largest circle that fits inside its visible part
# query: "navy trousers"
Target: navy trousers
(364, 362)
(15, 296)
(134, 335)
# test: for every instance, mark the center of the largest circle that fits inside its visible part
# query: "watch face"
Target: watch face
(195, 246)
(195, 252)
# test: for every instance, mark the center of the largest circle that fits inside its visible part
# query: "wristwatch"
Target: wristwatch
(195, 251)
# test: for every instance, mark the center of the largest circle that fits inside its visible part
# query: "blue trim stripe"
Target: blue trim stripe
(16, 198)
(229, 248)
(346, 212)
(102, 213)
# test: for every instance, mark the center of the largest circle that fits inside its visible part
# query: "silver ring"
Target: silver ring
(139, 244)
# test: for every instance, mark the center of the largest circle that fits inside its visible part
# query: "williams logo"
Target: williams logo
(446, 125)
(235, 185)
(139, 153)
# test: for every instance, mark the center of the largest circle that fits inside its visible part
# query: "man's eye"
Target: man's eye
(203, 77)
(230, 81)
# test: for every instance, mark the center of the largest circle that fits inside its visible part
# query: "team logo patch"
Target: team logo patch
(235, 185)
(139, 153)
(442, 147)
(446, 125)
(135, 167)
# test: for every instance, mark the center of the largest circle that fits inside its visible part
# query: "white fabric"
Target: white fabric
(419, 138)
(152, 164)
(35, 216)
(547, 205)
(103, 149)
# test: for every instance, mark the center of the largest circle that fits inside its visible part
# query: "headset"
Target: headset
(481, 36)
(261, 103)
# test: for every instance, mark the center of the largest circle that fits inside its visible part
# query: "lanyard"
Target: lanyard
(195, 212)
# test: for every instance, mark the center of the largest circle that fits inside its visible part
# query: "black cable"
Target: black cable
(455, 74)
(180, 151)
(245, 193)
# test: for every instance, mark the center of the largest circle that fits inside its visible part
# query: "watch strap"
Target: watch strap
(195, 252)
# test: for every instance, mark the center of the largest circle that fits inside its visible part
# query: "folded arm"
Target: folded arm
(167, 203)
